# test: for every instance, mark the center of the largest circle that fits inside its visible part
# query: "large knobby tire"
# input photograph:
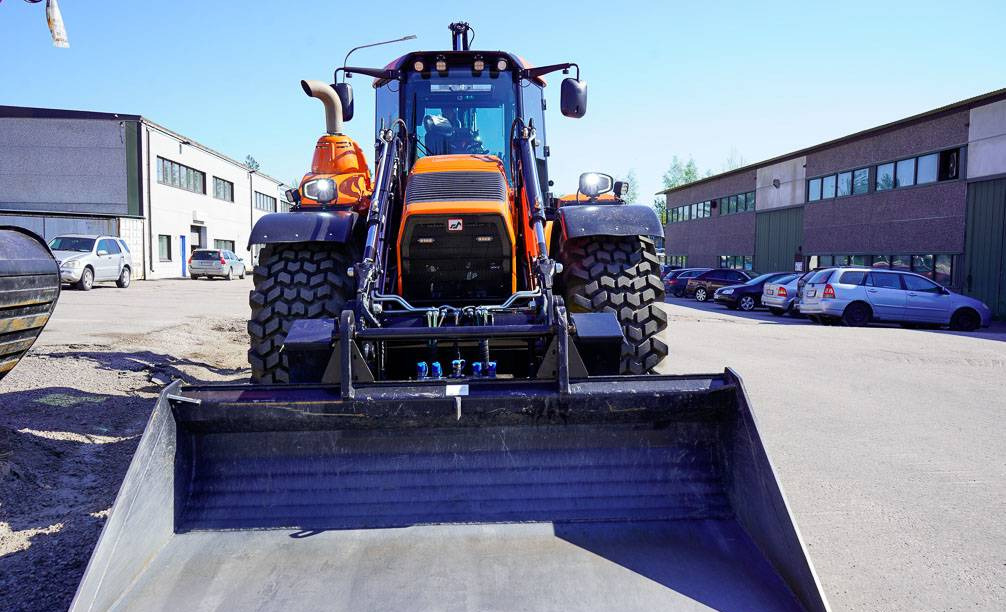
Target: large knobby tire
(293, 281)
(620, 275)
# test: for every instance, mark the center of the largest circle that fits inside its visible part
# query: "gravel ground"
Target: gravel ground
(888, 442)
(72, 413)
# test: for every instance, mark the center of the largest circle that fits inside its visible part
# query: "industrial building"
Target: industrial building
(926, 193)
(65, 171)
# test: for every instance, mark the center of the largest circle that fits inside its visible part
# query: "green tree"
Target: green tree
(679, 173)
(632, 195)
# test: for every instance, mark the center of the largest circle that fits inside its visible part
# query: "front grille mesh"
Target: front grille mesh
(456, 186)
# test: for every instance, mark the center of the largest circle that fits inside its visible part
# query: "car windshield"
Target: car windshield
(206, 255)
(70, 243)
(461, 113)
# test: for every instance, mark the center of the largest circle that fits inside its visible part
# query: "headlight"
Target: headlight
(726, 291)
(321, 190)
(73, 263)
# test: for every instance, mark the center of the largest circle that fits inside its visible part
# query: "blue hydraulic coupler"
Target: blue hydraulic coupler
(422, 370)
(477, 368)
(435, 370)
(491, 369)
(458, 368)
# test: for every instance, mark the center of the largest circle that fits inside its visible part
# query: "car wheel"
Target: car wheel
(747, 303)
(856, 314)
(242, 273)
(86, 280)
(194, 277)
(966, 320)
(230, 274)
(124, 278)
(777, 311)
(700, 295)
(679, 293)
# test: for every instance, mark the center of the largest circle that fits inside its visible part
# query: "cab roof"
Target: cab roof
(457, 57)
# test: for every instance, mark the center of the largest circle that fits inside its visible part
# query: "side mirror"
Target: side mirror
(593, 184)
(944, 290)
(573, 98)
(345, 91)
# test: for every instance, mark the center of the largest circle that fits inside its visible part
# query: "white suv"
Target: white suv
(85, 260)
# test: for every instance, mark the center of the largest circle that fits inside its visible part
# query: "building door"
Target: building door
(778, 236)
(985, 245)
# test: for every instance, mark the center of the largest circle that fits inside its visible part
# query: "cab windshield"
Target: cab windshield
(458, 113)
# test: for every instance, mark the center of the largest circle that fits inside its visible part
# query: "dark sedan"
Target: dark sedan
(747, 296)
(675, 281)
(704, 285)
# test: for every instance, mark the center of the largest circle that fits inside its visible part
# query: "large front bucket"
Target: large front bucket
(629, 493)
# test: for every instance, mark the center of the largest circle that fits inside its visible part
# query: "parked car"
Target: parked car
(747, 296)
(800, 284)
(85, 260)
(780, 295)
(213, 263)
(704, 285)
(857, 296)
(676, 280)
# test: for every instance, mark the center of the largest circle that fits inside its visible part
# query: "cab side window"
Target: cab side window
(534, 112)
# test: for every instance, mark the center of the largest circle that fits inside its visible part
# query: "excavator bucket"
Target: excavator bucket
(29, 288)
(627, 493)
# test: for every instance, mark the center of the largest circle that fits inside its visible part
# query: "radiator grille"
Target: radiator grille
(456, 186)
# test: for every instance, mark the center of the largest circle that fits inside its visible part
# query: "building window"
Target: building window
(928, 168)
(844, 184)
(737, 262)
(885, 177)
(180, 176)
(936, 267)
(949, 164)
(860, 181)
(223, 190)
(942, 269)
(905, 173)
(678, 261)
(828, 187)
(264, 202)
(227, 245)
(814, 190)
(164, 247)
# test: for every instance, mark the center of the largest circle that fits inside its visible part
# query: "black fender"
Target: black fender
(304, 226)
(582, 220)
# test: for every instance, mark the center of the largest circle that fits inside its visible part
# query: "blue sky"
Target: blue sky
(697, 79)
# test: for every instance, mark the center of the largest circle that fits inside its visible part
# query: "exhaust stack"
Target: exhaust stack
(333, 105)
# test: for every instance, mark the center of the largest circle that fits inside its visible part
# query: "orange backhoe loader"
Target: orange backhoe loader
(454, 402)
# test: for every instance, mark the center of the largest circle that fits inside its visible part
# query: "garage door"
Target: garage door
(985, 245)
(778, 236)
(50, 227)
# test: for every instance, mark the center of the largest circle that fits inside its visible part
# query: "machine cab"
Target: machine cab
(463, 102)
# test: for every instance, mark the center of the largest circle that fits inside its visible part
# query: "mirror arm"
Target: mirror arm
(533, 73)
(377, 73)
